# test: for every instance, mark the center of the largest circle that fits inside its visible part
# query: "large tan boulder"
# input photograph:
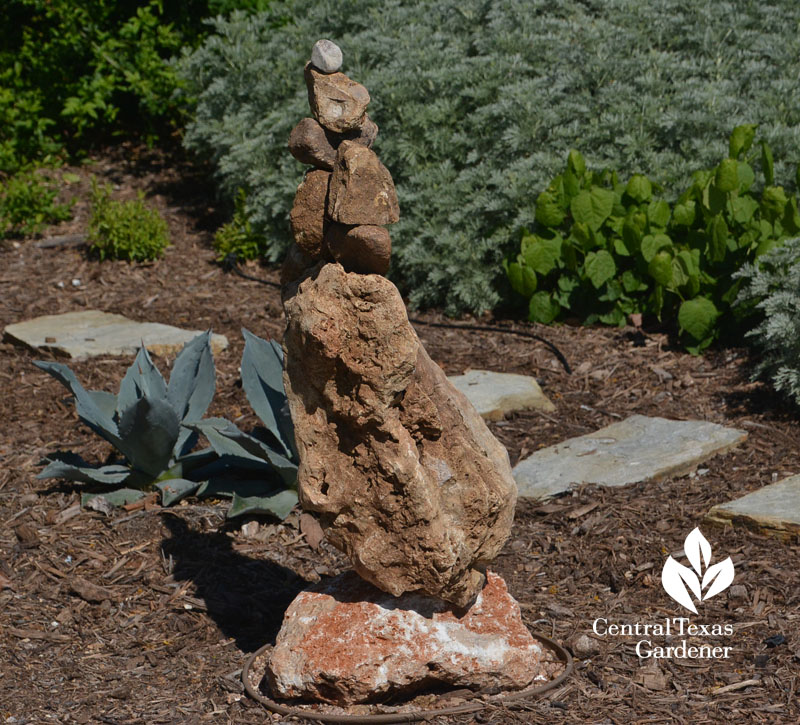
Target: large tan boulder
(405, 476)
(362, 190)
(343, 641)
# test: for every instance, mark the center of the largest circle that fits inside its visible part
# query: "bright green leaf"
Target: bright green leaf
(593, 207)
(599, 267)
(658, 213)
(697, 317)
(543, 308)
(741, 139)
(767, 164)
(660, 268)
(652, 244)
(639, 188)
(548, 211)
(726, 177)
(542, 255)
(683, 214)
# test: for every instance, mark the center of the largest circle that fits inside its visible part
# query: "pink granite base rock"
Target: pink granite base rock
(346, 642)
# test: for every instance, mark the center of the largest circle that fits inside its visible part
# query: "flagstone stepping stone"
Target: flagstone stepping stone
(91, 332)
(636, 449)
(774, 509)
(495, 395)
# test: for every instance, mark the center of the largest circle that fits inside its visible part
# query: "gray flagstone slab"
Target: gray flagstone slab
(90, 333)
(495, 395)
(774, 509)
(639, 448)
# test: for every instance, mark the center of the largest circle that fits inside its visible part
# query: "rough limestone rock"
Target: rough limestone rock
(362, 190)
(309, 144)
(337, 102)
(346, 642)
(405, 475)
(308, 212)
(366, 135)
(365, 249)
(326, 56)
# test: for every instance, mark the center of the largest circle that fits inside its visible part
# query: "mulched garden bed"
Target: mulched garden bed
(185, 596)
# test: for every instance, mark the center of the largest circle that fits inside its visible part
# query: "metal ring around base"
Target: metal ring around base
(415, 715)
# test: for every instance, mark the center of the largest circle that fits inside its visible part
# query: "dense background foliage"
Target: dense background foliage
(73, 73)
(479, 103)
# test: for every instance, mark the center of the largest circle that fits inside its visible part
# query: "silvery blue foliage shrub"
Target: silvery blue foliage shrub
(774, 288)
(478, 104)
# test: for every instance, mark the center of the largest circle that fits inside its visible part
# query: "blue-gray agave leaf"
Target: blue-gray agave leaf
(192, 380)
(72, 467)
(191, 387)
(262, 380)
(279, 504)
(107, 402)
(228, 441)
(175, 489)
(149, 429)
(142, 378)
(86, 406)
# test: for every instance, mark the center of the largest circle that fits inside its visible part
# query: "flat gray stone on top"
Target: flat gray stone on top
(91, 332)
(494, 395)
(774, 509)
(636, 449)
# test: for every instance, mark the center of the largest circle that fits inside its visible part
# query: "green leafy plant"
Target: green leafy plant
(154, 426)
(246, 461)
(237, 237)
(146, 422)
(603, 248)
(125, 229)
(28, 203)
(772, 287)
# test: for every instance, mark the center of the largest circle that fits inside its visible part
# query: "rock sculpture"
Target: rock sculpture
(401, 471)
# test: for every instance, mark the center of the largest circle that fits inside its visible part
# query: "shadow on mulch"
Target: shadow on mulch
(245, 597)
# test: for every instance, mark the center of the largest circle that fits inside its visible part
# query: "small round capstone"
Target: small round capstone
(326, 56)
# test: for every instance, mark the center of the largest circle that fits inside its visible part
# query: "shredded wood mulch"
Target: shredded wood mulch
(147, 615)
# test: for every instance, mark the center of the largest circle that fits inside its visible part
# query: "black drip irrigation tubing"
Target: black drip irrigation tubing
(231, 263)
(511, 699)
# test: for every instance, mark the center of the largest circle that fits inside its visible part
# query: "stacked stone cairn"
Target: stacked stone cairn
(397, 466)
(346, 200)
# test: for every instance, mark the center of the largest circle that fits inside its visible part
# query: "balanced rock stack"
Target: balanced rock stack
(344, 203)
(399, 468)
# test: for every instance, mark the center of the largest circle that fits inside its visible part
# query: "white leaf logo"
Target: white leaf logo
(678, 580)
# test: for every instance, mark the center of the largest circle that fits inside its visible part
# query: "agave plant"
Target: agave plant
(147, 422)
(247, 463)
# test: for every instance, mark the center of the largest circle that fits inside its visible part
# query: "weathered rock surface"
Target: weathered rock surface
(326, 56)
(773, 510)
(308, 212)
(405, 475)
(90, 333)
(309, 144)
(345, 642)
(362, 190)
(365, 249)
(366, 135)
(336, 101)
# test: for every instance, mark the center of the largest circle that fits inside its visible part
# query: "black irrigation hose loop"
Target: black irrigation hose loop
(231, 263)
(416, 715)
(493, 328)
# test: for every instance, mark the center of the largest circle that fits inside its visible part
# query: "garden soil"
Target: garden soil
(148, 615)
